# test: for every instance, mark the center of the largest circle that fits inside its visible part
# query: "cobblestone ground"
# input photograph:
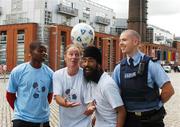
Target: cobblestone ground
(172, 118)
(6, 113)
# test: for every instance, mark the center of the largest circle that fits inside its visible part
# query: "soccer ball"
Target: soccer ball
(83, 34)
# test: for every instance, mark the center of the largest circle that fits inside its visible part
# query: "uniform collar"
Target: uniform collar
(136, 58)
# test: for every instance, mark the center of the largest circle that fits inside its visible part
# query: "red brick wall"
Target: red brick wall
(30, 35)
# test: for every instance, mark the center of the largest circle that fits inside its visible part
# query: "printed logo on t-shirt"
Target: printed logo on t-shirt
(71, 94)
(37, 90)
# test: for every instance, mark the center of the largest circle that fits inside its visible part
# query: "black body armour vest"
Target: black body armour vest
(134, 89)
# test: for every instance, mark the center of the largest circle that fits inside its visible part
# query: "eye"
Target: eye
(77, 55)
(83, 61)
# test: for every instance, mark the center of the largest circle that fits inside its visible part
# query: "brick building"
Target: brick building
(14, 43)
(15, 40)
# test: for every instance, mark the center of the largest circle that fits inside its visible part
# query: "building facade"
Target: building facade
(120, 25)
(54, 20)
(24, 21)
(64, 12)
(14, 43)
(158, 35)
(15, 40)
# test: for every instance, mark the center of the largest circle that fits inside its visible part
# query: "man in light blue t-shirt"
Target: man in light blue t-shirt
(29, 90)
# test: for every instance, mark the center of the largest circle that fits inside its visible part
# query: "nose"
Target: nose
(84, 63)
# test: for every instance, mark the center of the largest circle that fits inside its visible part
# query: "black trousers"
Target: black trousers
(136, 122)
(21, 123)
(152, 120)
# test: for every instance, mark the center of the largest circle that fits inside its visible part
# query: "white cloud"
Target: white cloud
(162, 13)
(165, 7)
(170, 22)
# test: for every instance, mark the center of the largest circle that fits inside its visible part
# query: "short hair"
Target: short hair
(78, 46)
(35, 45)
(133, 33)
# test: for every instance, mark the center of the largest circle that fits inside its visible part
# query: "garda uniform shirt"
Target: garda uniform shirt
(155, 73)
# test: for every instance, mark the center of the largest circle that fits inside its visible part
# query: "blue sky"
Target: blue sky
(161, 13)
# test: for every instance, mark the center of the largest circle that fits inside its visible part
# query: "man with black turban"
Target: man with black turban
(110, 111)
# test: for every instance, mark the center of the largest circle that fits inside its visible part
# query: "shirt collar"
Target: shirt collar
(136, 58)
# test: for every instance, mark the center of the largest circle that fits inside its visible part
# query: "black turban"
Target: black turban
(93, 52)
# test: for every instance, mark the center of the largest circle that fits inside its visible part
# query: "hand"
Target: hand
(90, 108)
(72, 104)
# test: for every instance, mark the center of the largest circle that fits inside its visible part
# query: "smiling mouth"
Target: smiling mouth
(73, 61)
(87, 69)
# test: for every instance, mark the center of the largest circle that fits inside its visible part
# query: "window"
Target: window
(3, 45)
(20, 46)
(101, 28)
(45, 5)
(81, 20)
(48, 17)
(16, 5)
(62, 47)
(86, 12)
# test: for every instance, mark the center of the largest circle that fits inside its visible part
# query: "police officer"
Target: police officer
(139, 79)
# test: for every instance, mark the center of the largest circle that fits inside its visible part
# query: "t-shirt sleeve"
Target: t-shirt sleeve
(57, 87)
(13, 82)
(51, 85)
(158, 74)
(113, 95)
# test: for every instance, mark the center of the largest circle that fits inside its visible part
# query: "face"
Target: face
(72, 57)
(39, 54)
(89, 66)
(128, 43)
(92, 70)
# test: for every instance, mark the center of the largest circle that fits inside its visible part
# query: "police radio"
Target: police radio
(141, 68)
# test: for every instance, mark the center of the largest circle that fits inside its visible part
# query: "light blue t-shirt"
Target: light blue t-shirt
(155, 73)
(31, 86)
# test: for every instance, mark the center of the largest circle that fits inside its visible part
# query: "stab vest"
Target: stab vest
(134, 89)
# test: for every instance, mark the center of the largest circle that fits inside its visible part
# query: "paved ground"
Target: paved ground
(172, 119)
(6, 113)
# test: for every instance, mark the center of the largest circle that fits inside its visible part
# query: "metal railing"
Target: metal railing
(63, 9)
(102, 20)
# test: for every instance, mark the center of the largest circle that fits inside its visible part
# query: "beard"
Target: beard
(93, 74)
